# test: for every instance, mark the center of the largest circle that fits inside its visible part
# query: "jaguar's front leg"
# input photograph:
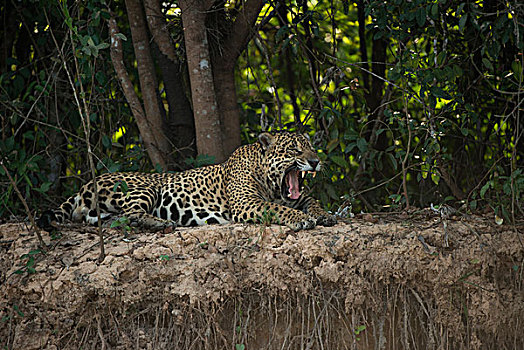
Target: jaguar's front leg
(258, 209)
(310, 206)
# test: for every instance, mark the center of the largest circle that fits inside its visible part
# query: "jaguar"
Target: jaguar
(259, 181)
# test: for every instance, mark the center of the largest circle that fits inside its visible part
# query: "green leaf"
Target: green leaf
(28, 135)
(435, 178)
(332, 144)
(462, 22)
(281, 33)
(393, 74)
(421, 16)
(87, 50)
(434, 10)
(105, 15)
(516, 67)
(507, 187)
(332, 193)
(101, 78)
(122, 185)
(392, 160)
(34, 252)
(460, 8)
(484, 189)
(121, 36)
(438, 92)
(378, 35)
(45, 187)
(114, 167)
(457, 70)
(106, 141)
(324, 197)
(94, 51)
(487, 63)
(362, 144)
(359, 329)
(350, 147)
(339, 160)
(17, 309)
(102, 46)
(10, 143)
(441, 58)
(395, 198)
(350, 135)
(115, 223)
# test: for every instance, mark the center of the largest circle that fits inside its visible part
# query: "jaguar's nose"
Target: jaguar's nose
(313, 162)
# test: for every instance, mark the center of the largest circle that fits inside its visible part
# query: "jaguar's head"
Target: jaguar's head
(288, 157)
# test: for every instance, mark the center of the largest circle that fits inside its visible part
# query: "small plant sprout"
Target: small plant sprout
(123, 223)
(359, 330)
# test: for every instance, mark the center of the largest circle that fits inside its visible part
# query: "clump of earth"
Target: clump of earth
(413, 280)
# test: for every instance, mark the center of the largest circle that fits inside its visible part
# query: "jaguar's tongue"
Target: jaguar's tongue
(294, 186)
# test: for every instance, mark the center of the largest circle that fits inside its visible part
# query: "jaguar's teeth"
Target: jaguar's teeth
(302, 173)
(314, 173)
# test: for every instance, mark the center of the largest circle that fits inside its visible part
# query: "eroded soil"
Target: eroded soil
(374, 282)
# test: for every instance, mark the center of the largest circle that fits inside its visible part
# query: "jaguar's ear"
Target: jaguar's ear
(265, 139)
(306, 135)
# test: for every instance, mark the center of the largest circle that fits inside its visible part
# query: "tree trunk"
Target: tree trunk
(148, 82)
(378, 66)
(287, 65)
(146, 132)
(363, 47)
(224, 71)
(207, 120)
(224, 81)
(180, 121)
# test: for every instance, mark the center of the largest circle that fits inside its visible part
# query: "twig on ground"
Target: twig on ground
(28, 212)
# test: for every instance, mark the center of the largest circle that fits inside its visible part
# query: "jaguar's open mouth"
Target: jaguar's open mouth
(292, 185)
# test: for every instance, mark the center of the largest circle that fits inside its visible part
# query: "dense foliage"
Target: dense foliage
(412, 102)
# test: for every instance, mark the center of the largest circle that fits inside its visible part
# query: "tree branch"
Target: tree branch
(157, 26)
(241, 31)
(147, 78)
(130, 94)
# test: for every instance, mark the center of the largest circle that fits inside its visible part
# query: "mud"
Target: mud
(375, 282)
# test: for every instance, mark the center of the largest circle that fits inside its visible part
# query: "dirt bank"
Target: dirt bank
(372, 283)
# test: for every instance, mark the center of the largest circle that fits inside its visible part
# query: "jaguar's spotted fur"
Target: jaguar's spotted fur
(261, 178)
